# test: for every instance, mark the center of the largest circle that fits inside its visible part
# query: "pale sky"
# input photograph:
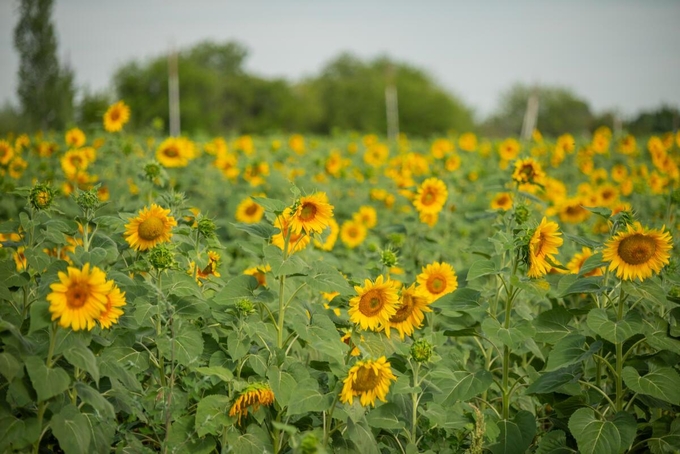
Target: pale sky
(622, 55)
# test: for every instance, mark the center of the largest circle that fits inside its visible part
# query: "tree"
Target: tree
(663, 119)
(46, 89)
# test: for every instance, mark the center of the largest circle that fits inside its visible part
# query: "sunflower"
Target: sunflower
(210, 269)
(542, 247)
(311, 214)
(115, 299)
(227, 163)
(467, 141)
(368, 380)
(376, 155)
(20, 259)
(73, 161)
(296, 241)
(152, 226)
(429, 218)
(374, 304)
(255, 174)
(249, 211)
(431, 196)
(367, 216)
(253, 396)
(576, 263)
(441, 147)
(328, 240)
(571, 210)
(16, 167)
(116, 116)
(638, 252)
(259, 273)
(509, 149)
(437, 279)
(528, 171)
(6, 152)
(414, 301)
(80, 297)
(296, 142)
(452, 163)
(173, 152)
(352, 233)
(75, 138)
(502, 201)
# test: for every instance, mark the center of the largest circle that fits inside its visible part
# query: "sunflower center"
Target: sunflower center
(366, 380)
(115, 115)
(150, 229)
(251, 210)
(527, 172)
(76, 295)
(428, 197)
(405, 310)
(436, 284)
(171, 152)
(371, 303)
(353, 232)
(637, 249)
(308, 211)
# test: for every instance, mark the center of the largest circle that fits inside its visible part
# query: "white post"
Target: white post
(391, 106)
(530, 116)
(173, 93)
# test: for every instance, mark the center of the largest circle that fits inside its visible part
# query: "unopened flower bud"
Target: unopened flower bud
(41, 196)
(161, 257)
(421, 350)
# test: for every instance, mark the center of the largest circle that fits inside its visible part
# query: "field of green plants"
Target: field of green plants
(344, 294)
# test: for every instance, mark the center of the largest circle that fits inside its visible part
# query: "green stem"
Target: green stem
(43, 405)
(168, 401)
(159, 332)
(282, 306)
(414, 404)
(619, 356)
(327, 425)
(505, 391)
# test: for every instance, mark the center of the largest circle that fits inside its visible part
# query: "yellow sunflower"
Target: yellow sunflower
(249, 211)
(542, 247)
(75, 138)
(352, 233)
(116, 116)
(152, 226)
(174, 152)
(467, 141)
(328, 240)
(115, 299)
(296, 241)
(431, 196)
(509, 149)
(227, 163)
(259, 273)
(16, 167)
(575, 264)
(368, 380)
(376, 155)
(528, 171)
(367, 216)
(74, 161)
(6, 152)
(80, 297)
(638, 252)
(374, 304)
(253, 396)
(502, 201)
(437, 279)
(312, 214)
(414, 301)
(571, 210)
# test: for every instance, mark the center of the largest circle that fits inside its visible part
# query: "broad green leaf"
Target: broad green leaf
(554, 442)
(93, 398)
(144, 311)
(592, 435)
(255, 441)
(591, 284)
(282, 384)
(273, 205)
(458, 386)
(37, 259)
(40, 316)
(212, 414)
(188, 345)
(280, 267)
(325, 278)
(649, 290)
(461, 299)
(554, 380)
(72, 430)
(513, 337)
(362, 437)
(305, 398)
(516, 434)
(582, 241)
(566, 352)
(662, 383)
(9, 366)
(182, 441)
(222, 373)
(102, 433)
(180, 284)
(606, 326)
(9, 278)
(481, 268)
(656, 334)
(83, 357)
(553, 325)
(387, 416)
(46, 382)
(627, 426)
(665, 437)
(260, 230)
(592, 263)
(236, 289)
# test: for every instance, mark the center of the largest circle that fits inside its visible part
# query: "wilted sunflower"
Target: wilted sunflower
(638, 252)
(152, 226)
(414, 301)
(437, 279)
(253, 396)
(374, 304)
(576, 263)
(116, 116)
(312, 214)
(368, 380)
(352, 233)
(502, 201)
(542, 247)
(115, 299)
(296, 241)
(528, 171)
(80, 297)
(249, 211)
(431, 196)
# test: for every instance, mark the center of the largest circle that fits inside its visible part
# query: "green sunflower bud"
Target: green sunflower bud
(421, 350)
(161, 258)
(41, 196)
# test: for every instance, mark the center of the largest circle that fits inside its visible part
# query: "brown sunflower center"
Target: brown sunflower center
(371, 303)
(428, 197)
(436, 284)
(366, 380)
(115, 115)
(251, 210)
(405, 310)
(353, 232)
(308, 211)
(150, 229)
(574, 210)
(637, 249)
(77, 294)
(171, 152)
(527, 172)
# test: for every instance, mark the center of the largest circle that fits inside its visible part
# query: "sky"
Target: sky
(617, 54)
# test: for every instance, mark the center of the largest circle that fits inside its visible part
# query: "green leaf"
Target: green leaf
(236, 289)
(592, 263)
(211, 414)
(582, 241)
(272, 205)
(566, 352)
(260, 230)
(362, 437)
(665, 439)
(481, 268)
(554, 442)
(82, 357)
(592, 284)
(40, 316)
(9, 366)
(462, 299)
(648, 290)
(516, 434)
(93, 398)
(553, 325)
(72, 430)
(627, 426)
(656, 334)
(513, 337)
(9, 278)
(600, 211)
(188, 345)
(255, 441)
(325, 278)
(662, 383)
(280, 267)
(592, 435)
(37, 259)
(180, 284)
(387, 416)
(305, 398)
(46, 382)
(554, 380)
(605, 325)
(222, 373)
(458, 386)
(282, 384)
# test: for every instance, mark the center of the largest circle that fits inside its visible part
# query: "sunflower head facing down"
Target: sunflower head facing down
(115, 299)
(152, 226)
(437, 279)
(409, 316)
(311, 214)
(375, 303)
(543, 245)
(252, 397)
(638, 252)
(368, 380)
(116, 116)
(296, 241)
(80, 297)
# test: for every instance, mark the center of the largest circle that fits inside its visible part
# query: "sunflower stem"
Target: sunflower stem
(619, 356)
(43, 405)
(282, 282)
(414, 403)
(159, 331)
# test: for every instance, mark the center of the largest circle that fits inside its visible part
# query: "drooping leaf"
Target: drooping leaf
(83, 357)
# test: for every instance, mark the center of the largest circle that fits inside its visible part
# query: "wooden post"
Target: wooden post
(530, 116)
(173, 93)
(391, 106)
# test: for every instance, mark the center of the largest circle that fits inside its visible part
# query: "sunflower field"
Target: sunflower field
(344, 294)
